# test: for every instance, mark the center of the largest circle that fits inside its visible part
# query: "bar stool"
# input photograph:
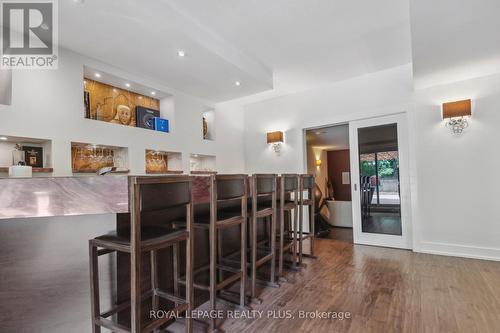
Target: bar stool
(156, 195)
(288, 188)
(225, 191)
(263, 207)
(306, 184)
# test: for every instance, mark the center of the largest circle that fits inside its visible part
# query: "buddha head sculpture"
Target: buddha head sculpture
(123, 115)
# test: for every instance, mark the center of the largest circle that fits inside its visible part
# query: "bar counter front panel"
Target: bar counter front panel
(45, 225)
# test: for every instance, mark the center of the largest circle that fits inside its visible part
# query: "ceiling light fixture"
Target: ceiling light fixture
(181, 53)
(3, 138)
(237, 83)
(97, 75)
(127, 85)
(153, 93)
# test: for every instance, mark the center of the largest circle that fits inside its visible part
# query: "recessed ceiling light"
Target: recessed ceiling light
(153, 93)
(3, 138)
(97, 75)
(237, 83)
(127, 85)
(181, 53)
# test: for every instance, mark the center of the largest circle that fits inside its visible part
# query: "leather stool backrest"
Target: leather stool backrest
(290, 182)
(264, 183)
(307, 181)
(156, 198)
(160, 196)
(230, 187)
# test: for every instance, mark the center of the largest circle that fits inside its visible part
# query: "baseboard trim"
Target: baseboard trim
(463, 251)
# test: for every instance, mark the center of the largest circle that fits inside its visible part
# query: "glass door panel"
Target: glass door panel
(379, 170)
(376, 176)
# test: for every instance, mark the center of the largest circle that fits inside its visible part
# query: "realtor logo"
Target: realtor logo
(29, 34)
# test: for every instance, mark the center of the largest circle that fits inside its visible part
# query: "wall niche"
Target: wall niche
(90, 158)
(208, 121)
(5, 86)
(163, 162)
(119, 101)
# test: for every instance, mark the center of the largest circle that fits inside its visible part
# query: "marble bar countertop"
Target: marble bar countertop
(66, 196)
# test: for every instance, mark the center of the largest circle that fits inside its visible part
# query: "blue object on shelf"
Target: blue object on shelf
(161, 124)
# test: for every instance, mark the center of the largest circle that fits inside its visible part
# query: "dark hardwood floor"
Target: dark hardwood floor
(384, 290)
(340, 234)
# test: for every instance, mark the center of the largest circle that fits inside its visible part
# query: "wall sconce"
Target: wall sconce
(318, 163)
(457, 113)
(275, 138)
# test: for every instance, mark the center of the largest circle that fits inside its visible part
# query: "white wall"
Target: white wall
(47, 104)
(458, 195)
(385, 92)
(454, 192)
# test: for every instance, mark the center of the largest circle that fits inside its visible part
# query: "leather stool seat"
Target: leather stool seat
(149, 236)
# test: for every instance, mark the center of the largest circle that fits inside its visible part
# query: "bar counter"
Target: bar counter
(69, 196)
(45, 225)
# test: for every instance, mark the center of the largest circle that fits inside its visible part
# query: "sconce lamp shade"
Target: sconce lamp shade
(274, 137)
(457, 109)
(318, 163)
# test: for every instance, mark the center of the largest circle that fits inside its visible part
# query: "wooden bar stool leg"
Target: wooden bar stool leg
(219, 252)
(189, 270)
(243, 261)
(312, 223)
(154, 282)
(253, 225)
(294, 235)
(213, 273)
(301, 226)
(282, 245)
(94, 287)
(273, 248)
(176, 264)
(135, 260)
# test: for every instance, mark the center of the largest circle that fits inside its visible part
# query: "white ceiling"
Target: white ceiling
(283, 46)
(454, 40)
(329, 138)
(312, 42)
(300, 43)
(143, 37)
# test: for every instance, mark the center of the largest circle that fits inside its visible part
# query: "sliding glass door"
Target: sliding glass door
(376, 164)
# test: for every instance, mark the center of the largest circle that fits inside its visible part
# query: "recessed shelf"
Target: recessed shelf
(5, 86)
(203, 172)
(168, 172)
(119, 101)
(89, 158)
(163, 162)
(208, 120)
(199, 164)
(38, 170)
(37, 153)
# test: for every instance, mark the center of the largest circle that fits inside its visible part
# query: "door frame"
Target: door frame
(405, 240)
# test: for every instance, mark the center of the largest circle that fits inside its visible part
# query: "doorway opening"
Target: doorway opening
(328, 159)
